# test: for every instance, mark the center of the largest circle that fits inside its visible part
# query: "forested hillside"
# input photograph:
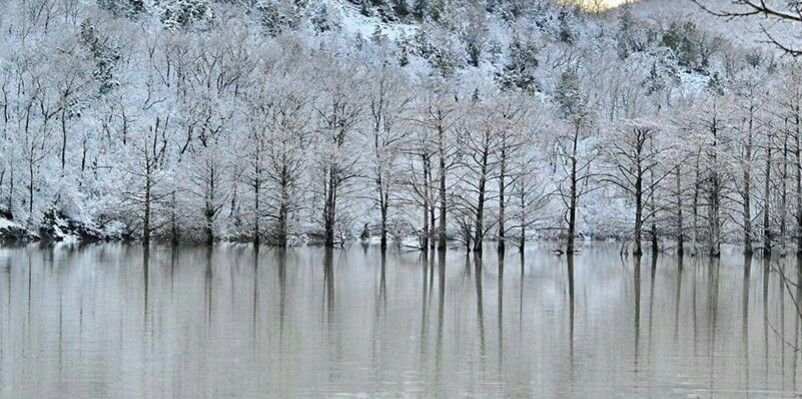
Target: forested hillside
(420, 121)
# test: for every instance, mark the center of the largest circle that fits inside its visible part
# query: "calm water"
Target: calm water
(226, 322)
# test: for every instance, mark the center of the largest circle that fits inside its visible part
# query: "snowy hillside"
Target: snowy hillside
(287, 121)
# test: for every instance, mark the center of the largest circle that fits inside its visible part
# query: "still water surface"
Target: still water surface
(108, 322)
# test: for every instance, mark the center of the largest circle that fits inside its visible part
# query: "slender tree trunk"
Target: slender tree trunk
(384, 210)
(797, 124)
(784, 197)
(63, 139)
(11, 193)
(257, 232)
(570, 247)
(210, 210)
(638, 236)
(426, 179)
(715, 198)
(283, 234)
(655, 237)
(502, 202)
(174, 236)
(329, 208)
(148, 188)
(747, 190)
(441, 239)
(30, 186)
(480, 204)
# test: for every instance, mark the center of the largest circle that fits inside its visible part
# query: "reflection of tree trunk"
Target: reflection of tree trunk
(209, 283)
(571, 310)
(146, 280)
(424, 318)
(441, 292)
(282, 284)
(328, 277)
(745, 314)
(636, 283)
(651, 297)
(678, 298)
(500, 309)
(255, 297)
(766, 201)
(766, 273)
(479, 306)
(695, 206)
(713, 271)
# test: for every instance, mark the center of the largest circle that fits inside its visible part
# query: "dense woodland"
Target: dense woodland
(413, 122)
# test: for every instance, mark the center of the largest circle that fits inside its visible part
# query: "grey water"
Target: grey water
(116, 321)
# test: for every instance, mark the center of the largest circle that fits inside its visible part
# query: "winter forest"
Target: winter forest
(422, 123)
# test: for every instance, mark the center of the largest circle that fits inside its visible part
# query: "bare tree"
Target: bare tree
(340, 112)
(783, 13)
(388, 102)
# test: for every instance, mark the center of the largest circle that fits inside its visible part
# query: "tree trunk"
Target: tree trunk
(715, 200)
(257, 233)
(747, 190)
(798, 182)
(146, 218)
(570, 247)
(502, 204)
(480, 204)
(680, 232)
(384, 210)
(441, 239)
(638, 237)
(63, 139)
(329, 213)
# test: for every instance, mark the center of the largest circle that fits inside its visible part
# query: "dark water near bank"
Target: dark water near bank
(225, 322)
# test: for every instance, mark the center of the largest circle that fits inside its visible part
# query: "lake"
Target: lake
(111, 321)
